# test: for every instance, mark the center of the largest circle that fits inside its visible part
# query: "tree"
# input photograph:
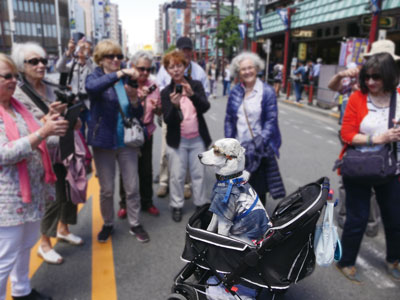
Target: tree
(228, 34)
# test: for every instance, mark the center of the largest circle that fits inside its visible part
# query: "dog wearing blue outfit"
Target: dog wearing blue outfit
(237, 211)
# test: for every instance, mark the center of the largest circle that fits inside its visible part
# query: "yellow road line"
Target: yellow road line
(35, 260)
(103, 275)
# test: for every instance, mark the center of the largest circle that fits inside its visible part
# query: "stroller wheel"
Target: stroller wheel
(186, 291)
(176, 296)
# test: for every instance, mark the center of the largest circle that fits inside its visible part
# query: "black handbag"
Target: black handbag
(371, 167)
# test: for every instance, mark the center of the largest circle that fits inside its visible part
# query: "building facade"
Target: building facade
(33, 20)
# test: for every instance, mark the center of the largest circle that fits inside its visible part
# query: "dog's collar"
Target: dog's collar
(224, 178)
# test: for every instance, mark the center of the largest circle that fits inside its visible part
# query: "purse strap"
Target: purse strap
(247, 119)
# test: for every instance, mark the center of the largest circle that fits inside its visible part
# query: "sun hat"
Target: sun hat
(382, 46)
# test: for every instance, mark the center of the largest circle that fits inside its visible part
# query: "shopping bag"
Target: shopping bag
(327, 246)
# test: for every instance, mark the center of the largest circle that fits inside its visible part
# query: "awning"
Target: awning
(314, 12)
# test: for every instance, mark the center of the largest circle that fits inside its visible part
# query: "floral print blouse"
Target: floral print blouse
(13, 211)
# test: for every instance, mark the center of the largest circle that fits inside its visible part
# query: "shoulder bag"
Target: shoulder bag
(372, 167)
(133, 131)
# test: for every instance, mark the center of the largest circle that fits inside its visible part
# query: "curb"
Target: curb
(328, 113)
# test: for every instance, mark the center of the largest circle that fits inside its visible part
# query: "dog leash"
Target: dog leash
(241, 216)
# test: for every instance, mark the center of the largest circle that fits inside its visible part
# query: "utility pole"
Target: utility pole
(11, 19)
(254, 42)
(374, 24)
(217, 49)
(58, 28)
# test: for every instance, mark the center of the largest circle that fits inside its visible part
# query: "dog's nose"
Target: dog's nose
(200, 156)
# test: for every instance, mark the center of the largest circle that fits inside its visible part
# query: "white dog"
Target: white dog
(236, 208)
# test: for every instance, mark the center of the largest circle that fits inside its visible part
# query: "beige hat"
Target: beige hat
(382, 46)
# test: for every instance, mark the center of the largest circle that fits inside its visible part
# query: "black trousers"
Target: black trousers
(61, 209)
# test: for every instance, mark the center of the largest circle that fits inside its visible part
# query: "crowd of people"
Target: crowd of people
(44, 178)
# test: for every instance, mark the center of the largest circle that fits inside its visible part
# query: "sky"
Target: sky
(138, 18)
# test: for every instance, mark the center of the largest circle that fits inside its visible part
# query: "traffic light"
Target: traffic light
(178, 4)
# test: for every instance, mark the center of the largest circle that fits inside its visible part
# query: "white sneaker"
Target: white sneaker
(51, 257)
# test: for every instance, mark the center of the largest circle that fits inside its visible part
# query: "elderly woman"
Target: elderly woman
(183, 104)
(26, 182)
(366, 127)
(252, 118)
(149, 95)
(38, 96)
(107, 93)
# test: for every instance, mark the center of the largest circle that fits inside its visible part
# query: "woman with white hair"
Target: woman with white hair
(38, 96)
(252, 118)
(149, 95)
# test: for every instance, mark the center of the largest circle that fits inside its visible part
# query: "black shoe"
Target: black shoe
(177, 214)
(140, 233)
(34, 295)
(105, 233)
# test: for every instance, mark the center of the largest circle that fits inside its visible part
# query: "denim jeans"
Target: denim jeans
(298, 90)
(358, 205)
(227, 86)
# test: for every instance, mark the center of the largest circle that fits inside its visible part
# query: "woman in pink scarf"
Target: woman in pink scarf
(27, 180)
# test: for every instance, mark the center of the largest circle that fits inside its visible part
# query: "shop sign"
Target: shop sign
(302, 33)
(302, 54)
(384, 22)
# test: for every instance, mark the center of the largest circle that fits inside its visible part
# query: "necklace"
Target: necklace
(381, 100)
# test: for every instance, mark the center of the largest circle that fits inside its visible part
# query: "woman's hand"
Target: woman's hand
(156, 109)
(55, 125)
(131, 72)
(391, 135)
(175, 99)
(71, 48)
(188, 89)
(55, 108)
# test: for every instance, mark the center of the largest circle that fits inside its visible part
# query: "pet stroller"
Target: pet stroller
(285, 255)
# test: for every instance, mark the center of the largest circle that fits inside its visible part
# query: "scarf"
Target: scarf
(12, 134)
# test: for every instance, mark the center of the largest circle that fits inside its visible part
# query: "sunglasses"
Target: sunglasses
(113, 56)
(9, 76)
(374, 77)
(142, 69)
(36, 61)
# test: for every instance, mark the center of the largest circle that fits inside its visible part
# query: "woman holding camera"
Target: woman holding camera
(183, 104)
(107, 93)
(38, 96)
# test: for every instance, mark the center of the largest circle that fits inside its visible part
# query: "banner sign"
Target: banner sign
(374, 7)
(242, 30)
(353, 51)
(284, 17)
(258, 22)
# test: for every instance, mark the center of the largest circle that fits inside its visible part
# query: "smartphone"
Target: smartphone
(178, 89)
(77, 36)
(152, 88)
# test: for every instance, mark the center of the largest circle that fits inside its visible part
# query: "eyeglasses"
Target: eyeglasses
(9, 76)
(36, 61)
(113, 56)
(374, 77)
(142, 69)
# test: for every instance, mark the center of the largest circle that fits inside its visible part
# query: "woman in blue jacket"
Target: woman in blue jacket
(252, 118)
(106, 88)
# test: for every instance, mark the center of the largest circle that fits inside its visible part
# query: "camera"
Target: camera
(65, 96)
(132, 83)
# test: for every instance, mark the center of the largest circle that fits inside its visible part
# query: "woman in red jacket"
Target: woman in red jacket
(365, 126)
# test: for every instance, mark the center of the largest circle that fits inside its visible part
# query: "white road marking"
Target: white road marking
(332, 142)
(330, 128)
(213, 118)
(318, 136)
(306, 131)
(381, 281)
(283, 112)
(296, 127)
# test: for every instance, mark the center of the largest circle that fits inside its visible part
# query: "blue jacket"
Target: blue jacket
(104, 109)
(269, 116)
